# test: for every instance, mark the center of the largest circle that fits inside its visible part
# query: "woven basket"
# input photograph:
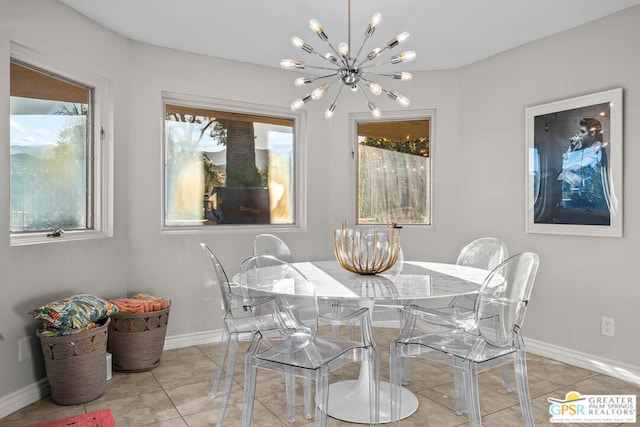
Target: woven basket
(136, 340)
(76, 365)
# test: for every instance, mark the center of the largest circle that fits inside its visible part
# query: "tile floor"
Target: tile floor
(176, 394)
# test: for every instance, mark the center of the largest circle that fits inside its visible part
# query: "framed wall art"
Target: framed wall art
(574, 166)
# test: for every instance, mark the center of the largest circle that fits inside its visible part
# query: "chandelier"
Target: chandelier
(347, 70)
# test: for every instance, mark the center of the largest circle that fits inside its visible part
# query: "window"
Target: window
(393, 172)
(58, 169)
(227, 165)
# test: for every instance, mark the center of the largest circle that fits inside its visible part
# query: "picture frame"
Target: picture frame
(574, 166)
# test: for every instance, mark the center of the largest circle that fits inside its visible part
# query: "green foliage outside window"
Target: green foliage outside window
(418, 146)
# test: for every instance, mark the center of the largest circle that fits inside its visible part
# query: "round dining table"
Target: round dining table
(412, 282)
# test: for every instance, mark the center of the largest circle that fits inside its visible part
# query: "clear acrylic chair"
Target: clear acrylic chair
(296, 349)
(237, 326)
(485, 253)
(268, 244)
(473, 341)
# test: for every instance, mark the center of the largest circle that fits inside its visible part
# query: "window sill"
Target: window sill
(41, 238)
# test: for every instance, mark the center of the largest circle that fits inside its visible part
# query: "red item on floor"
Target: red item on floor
(102, 418)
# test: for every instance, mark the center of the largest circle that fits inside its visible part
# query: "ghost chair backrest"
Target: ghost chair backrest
(289, 298)
(503, 298)
(268, 244)
(485, 253)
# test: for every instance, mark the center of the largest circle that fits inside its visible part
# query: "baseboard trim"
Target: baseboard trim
(195, 338)
(601, 365)
(24, 397)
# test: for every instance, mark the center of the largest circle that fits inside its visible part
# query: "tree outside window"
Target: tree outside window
(226, 167)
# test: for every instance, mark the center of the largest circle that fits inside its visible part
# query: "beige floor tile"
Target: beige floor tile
(192, 398)
(174, 422)
(190, 371)
(125, 384)
(557, 372)
(39, 412)
(137, 410)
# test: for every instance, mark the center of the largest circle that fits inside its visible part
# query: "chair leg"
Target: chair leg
(250, 375)
(505, 369)
(472, 396)
(335, 332)
(395, 363)
(405, 361)
(522, 382)
(231, 367)
(507, 378)
(322, 395)
(306, 390)
(459, 386)
(374, 385)
(290, 394)
(221, 359)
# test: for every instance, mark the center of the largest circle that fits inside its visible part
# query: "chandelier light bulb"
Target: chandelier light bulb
(397, 40)
(301, 81)
(317, 28)
(403, 100)
(374, 53)
(318, 92)
(343, 48)
(298, 42)
(375, 20)
(402, 76)
(375, 111)
(330, 57)
(291, 64)
(400, 99)
(298, 103)
(329, 112)
(375, 88)
(403, 57)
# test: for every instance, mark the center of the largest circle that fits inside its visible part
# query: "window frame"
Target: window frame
(390, 116)
(299, 167)
(101, 138)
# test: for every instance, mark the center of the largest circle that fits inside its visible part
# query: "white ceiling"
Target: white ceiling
(444, 33)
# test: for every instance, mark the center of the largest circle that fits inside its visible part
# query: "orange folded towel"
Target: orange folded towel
(140, 303)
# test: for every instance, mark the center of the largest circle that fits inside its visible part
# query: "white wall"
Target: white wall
(581, 278)
(478, 181)
(34, 275)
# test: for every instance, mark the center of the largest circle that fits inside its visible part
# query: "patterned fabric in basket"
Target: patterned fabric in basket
(74, 314)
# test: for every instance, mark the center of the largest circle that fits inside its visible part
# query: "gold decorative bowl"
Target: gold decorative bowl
(366, 250)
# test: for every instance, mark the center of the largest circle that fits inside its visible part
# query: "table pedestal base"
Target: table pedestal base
(348, 402)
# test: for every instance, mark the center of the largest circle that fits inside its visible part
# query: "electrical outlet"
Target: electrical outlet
(24, 349)
(608, 326)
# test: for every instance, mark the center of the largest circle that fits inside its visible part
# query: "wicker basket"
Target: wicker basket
(136, 340)
(76, 365)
